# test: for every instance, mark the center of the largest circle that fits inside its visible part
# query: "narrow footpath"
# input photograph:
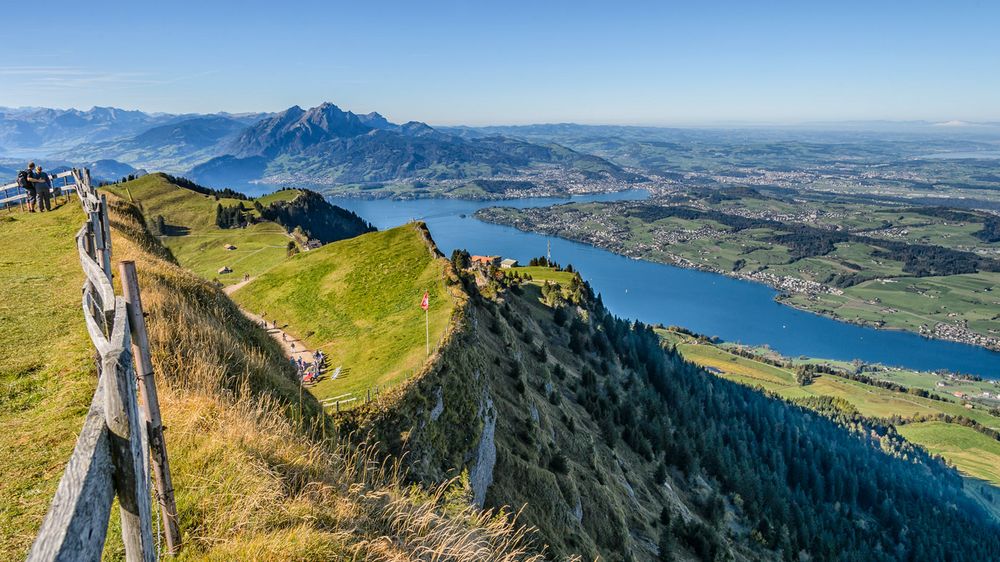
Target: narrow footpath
(293, 348)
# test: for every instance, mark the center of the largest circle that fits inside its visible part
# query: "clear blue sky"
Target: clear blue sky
(480, 62)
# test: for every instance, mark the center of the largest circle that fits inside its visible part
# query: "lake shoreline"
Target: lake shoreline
(656, 292)
(782, 297)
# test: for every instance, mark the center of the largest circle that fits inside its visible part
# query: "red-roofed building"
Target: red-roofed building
(484, 262)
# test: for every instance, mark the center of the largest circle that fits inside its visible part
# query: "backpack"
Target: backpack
(22, 178)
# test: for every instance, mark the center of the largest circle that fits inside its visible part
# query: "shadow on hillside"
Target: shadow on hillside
(175, 230)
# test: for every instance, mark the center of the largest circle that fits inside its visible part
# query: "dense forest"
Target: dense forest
(991, 223)
(839, 487)
(217, 193)
(317, 218)
(233, 216)
(617, 447)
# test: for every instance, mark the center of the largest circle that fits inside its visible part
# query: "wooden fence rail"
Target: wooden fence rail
(111, 457)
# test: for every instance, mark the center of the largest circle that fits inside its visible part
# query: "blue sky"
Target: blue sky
(479, 62)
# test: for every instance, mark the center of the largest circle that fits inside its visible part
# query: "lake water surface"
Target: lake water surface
(708, 303)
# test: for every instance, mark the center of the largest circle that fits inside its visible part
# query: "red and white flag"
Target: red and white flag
(426, 302)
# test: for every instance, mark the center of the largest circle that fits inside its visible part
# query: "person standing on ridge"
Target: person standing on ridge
(29, 186)
(43, 189)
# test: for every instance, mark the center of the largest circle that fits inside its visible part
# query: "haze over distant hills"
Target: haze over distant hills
(342, 151)
(323, 145)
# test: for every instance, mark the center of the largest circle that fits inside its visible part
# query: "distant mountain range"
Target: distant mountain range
(324, 145)
(174, 147)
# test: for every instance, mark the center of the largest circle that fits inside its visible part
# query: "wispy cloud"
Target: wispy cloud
(67, 77)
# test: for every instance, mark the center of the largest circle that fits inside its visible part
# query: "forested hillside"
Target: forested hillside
(621, 449)
(317, 218)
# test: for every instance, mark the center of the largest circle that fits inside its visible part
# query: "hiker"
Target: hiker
(43, 190)
(24, 178)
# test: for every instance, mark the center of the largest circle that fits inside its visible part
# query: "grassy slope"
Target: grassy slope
(540, 274)
(251, 483)
(358, 301)
(368, 288)
(975, 453)
(47, 375)
(197, 242)
(869, 401)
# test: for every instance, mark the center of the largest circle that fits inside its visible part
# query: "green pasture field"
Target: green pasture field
(194, 238)
(541, 274)
(358, 301)
(47, 375)
(975, 453)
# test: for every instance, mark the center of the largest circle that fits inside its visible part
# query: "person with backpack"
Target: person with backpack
(43, 189)
(24, 180)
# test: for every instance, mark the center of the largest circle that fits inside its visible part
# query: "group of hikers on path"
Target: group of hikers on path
(38, 185)
(307, 371)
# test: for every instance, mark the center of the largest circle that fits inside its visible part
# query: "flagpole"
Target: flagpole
(425, 304)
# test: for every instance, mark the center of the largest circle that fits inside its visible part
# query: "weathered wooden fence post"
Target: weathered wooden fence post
(100, 245)
(107, 229)
(122, 417)
(77, 522)
(150, 404)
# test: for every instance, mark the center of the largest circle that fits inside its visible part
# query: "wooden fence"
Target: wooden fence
(112, 453)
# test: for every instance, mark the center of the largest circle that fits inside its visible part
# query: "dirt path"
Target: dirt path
(292, 347)
(236, 287)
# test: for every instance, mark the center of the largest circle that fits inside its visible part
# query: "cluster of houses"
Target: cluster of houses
(485, 262)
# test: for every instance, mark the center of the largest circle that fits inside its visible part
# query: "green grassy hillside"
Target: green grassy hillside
(358, 301)
(47, 375)
(256, 477)
(541, 274)
(977, 454)
(196, 241)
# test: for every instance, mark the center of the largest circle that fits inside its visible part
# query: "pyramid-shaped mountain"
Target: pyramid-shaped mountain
(327, 145)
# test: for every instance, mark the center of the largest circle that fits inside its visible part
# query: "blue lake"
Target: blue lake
(707, 303)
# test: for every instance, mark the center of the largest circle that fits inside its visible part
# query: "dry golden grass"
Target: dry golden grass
(258, 472)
